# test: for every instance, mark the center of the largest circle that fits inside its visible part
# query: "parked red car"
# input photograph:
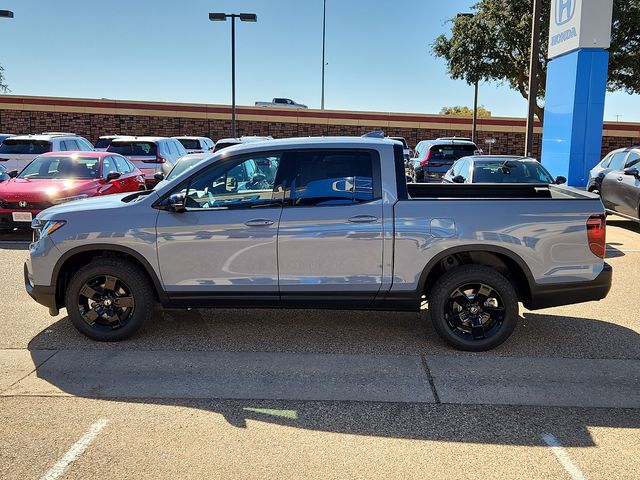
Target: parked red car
(58, 177)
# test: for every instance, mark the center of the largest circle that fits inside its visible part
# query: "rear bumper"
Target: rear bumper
(546, 296)
(43, 294)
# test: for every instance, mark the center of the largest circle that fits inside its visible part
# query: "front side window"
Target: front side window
(231, 186)
(633, 160)
(329, 177)
(617, 160)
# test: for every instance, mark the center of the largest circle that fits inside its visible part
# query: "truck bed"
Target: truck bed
(518, 191)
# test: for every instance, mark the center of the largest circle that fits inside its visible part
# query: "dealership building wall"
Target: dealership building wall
(92, 118)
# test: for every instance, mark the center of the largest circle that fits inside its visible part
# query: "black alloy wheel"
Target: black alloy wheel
(473, 307)
(109, 299)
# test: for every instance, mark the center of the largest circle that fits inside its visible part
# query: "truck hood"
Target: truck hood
(87, 206)
(34, 190)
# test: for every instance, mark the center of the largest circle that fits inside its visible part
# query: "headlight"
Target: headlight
(58, 201)
(42, 228)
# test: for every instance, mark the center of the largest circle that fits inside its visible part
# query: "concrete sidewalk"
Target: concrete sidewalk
(336, 377)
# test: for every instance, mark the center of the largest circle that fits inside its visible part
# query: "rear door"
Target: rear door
(330, 236)
(630, 187)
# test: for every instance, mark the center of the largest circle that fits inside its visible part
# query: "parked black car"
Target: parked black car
(620, 189)
(499, 169)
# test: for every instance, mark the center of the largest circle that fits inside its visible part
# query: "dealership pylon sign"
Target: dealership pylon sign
(579, 34)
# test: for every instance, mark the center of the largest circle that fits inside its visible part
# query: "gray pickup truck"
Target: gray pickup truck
(320, 223)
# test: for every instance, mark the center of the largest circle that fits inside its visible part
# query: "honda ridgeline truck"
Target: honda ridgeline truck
(320, 223)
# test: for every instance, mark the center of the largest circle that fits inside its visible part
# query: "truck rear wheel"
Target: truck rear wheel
(473, 308)
(109, 299)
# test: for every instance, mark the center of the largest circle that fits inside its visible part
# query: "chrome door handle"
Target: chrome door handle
(363, 219)
(259, 222)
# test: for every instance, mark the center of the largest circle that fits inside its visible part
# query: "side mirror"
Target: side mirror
(458, 179)
(632, 171)
(561, 180)
(13, 173)
(176, 203)
(159, 176)
(112, 176)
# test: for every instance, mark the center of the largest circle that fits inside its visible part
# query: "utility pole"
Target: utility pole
(324, 32)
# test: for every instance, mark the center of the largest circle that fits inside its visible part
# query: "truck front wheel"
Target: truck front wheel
(473, 308)
(109, 299)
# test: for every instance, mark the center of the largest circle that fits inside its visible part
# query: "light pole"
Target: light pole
(324, 31)
(244, 17)
(474, 126)
(533, 75)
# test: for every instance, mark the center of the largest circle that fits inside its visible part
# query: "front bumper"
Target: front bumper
(546, 296)
(43, 294)
(6, 219)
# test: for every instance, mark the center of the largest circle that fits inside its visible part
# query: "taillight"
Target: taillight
(158, 159)
(597, 234)
(423, 163)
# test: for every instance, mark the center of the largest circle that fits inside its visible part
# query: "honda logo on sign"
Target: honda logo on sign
(565, 10)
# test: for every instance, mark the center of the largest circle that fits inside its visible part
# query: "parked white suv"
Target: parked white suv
(16, 152)
(197, 144)
(150, 154)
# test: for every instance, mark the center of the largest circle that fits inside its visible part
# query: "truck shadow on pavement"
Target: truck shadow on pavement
(322, 332)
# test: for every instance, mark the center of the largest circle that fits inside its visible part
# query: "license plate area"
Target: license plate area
(22, 216)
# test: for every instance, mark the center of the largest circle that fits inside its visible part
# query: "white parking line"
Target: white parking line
(562, 456)
(75, 451)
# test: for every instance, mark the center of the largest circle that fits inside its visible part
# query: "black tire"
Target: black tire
(468, 321)
(107, 321)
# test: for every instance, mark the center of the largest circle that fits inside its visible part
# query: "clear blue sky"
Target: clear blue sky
(378, 54)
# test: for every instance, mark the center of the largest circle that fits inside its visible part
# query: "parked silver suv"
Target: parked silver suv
(17, 151)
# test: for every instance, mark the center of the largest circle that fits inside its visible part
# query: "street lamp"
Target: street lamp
(6, 14)
(244, 17)
(324, 30)
(474, 127)
(533, 75)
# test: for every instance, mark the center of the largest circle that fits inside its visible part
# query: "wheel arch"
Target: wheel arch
(505, 261)
(72, 260)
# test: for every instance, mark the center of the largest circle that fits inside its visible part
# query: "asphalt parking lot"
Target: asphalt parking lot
(287, 394)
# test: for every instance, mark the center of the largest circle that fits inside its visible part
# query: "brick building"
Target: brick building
(92, 118)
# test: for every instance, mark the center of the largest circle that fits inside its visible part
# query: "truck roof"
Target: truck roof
(324, 142)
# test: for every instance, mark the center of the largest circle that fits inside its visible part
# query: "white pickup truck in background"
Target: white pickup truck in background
(281, 102)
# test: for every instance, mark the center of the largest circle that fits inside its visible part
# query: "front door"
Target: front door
(224, 244)
(330, 236)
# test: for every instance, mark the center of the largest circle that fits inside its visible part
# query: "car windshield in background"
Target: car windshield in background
(183, 165)
(28, 147)
(103, 142)
(510, 172)
(134, 149)
(190, 144)
(61, 167)
(451, 152)
(221, 145)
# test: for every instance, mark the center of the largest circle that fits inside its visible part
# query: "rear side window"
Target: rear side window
(134, 149)
(27, 147)
(123, 165)
(84, 144)
(329, 177)
(180, 148)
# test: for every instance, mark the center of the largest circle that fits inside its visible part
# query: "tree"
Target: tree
(464, 111)
(495, 44)
(4, 88)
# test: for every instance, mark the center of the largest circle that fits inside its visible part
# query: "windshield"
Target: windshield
(103, 142)
(62, 168)
(182, 165)
(221, 145)
(190, 144)
(510, 171)
(28, 147)
(134, 149)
